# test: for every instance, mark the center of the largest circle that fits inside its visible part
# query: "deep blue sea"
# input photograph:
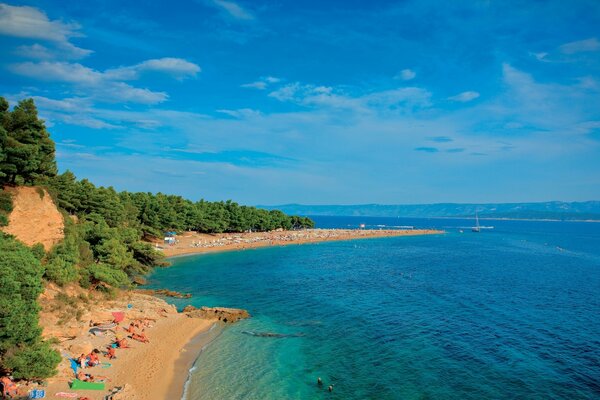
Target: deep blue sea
(508, 313)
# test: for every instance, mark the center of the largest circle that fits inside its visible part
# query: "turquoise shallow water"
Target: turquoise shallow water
(508, 313)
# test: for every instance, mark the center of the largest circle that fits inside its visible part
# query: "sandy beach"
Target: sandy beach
(155, 370)
(197, 243)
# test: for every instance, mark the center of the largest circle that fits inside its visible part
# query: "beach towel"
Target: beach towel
(67, 395)
(106, 365)
(118, 315)
(105, 327)
(81, 385)
(74, 365)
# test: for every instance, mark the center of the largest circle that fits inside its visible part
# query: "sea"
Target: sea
(511, 312)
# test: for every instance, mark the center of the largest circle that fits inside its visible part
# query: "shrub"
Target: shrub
(38, 361)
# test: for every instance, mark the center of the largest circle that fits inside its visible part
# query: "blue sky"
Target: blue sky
(337, 102)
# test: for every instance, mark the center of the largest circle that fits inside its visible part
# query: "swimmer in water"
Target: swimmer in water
(330, 388)
(319, 381)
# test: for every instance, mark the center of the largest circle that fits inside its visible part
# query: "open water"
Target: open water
(508, 313)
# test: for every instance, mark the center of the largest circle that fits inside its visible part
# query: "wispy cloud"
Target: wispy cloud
(32, 23)
(326, 96)
(108, 85)
(175, 67)
(581, 46)
(464, 97)
(233, 9)
(406, 75)
(262, 83)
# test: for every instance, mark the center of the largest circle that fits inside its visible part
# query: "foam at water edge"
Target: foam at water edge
(194, 367)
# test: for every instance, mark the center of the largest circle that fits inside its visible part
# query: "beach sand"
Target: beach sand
(155, 370)
(198, 243)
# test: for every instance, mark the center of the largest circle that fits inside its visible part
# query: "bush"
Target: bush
(6, 204)
(21, 349)
(38, 251)
(33, 362)
(3, 220)
(60, 271)
(105, 273)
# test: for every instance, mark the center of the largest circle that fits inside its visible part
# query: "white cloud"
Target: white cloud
(233, 9)
(587, 45)
(101, 85)
(464, 97)
(262, 83)
(406, 75)
(35, 51)
(325, 96)
(175, 67)
(58, 71)
(242, 113)
(32, 23)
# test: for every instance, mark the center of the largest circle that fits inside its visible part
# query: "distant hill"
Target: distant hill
(587, 210)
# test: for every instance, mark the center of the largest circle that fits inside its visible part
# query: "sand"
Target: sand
(155, 370)
(198, 243)
(34, 218)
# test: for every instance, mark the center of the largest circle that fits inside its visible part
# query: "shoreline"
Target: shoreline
(190, 243)
(184, 365)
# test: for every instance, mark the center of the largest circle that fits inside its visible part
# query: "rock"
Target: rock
(166, 292)
(81, 348)
(221, 313)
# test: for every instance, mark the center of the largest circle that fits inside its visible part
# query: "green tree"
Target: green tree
(28, 151)
(20, 333)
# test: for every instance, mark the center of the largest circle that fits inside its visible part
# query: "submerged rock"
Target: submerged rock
(166, 293)
(221, 313)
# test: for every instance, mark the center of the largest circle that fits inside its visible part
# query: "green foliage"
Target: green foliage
(98, 273)
(20, 335)
(61, 271)
(6, 204)
(38, 251)
(37, 361)
(26, 150)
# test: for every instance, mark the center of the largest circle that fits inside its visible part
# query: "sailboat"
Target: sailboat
(476, 228)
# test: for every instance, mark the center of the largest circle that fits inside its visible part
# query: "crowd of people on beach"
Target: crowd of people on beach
(281, 236)
(136, 330)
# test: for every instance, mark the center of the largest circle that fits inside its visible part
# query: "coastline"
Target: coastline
(161, 368)
(196, 243)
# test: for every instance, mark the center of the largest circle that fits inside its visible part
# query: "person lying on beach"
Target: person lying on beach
(131, 328)
(9, 388)
(93, 358)
(82, 361)
(140, 338)
(82, 376)
(122, 343)
(111, 352)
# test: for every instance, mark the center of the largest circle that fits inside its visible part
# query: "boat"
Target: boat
(476, 228)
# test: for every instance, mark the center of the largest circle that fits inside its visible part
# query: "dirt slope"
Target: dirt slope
(35, 218)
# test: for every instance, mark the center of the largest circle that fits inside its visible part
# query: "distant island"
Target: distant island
(551, 210)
